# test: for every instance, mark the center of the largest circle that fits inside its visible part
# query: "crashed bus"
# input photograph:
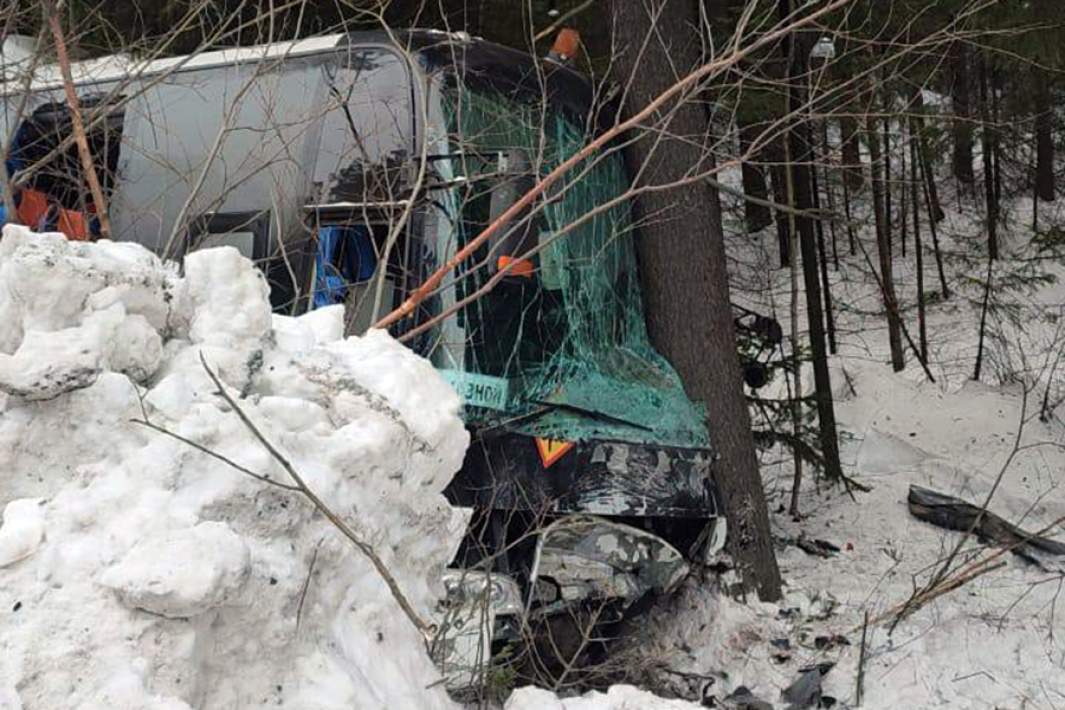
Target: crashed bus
(349, 168)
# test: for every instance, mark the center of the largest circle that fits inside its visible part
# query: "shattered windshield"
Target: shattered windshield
(546, 334)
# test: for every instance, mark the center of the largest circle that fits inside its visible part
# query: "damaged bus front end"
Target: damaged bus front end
(350, 168)
(590, 471)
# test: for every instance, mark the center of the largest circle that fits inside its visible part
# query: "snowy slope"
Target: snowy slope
(998, 641)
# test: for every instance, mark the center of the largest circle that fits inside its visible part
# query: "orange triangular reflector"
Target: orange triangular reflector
(552, 450)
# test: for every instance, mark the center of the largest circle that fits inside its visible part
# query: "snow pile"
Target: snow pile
(139, 572)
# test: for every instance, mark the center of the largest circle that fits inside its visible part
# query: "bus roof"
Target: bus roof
(123, 66)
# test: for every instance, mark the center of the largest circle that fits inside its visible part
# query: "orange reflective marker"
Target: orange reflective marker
(551, 450)
(567, 42)
(518, 267)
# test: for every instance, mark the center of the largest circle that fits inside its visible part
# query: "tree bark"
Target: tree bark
(926, 154)
(962, 126)
(884, 248)
(903, 219)
(778, 175)
(796, 356)
(830, 193)
(922, 323)
(822, 256)
(885, 183)
(758, 216)
(847, 216)
(1044, 138)
(852, 153)
(996, 135)
(925, 170)
(801, 152)
(987, 145)
(683, 267)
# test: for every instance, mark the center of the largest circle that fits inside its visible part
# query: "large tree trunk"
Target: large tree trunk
(754, 185)
(961, 101)
(1044, 138)
(683, 267)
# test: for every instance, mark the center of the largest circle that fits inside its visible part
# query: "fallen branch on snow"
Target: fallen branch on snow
(949, 582)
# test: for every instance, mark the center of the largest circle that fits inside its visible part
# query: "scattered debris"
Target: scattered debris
(739, 699)
(806, 691)
(815, 546)
(956, 514)
(824, 643)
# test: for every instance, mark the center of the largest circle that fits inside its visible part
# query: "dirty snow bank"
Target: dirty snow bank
(618, 697)
(137, 572)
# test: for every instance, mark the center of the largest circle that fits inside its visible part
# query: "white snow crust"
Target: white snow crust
(618, 697)
(139, 573)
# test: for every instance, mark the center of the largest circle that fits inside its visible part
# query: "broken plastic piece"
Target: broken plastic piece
(593, 558)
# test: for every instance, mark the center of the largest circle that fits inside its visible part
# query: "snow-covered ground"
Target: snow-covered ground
(995, 643)
(999, 640)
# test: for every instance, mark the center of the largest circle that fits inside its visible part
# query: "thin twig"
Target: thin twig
(546, 32)
(955, 580)
(859, 689)
(214, 454)
(307, 582)
(365, 548)
(990, 494)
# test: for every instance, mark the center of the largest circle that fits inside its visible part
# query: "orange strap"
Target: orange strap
(518, 267)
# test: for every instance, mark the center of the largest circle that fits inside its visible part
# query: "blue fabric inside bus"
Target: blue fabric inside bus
(345, 256)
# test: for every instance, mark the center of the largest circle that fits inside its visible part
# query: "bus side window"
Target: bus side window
(53, 193)
(345, 257)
